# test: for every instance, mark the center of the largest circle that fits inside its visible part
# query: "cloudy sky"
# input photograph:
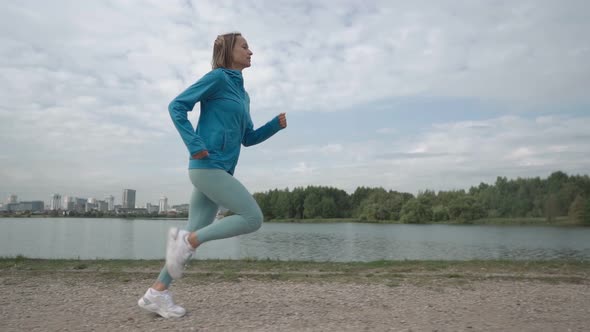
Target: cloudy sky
(404, 95)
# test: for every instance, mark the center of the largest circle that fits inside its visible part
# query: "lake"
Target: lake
(86, 238)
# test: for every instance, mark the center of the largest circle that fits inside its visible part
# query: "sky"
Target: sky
(404, 95)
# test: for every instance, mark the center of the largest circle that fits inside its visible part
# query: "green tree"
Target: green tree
(282, 204)
(551, 207)
(522, 197)
(312, 205)
(579, 211)
(328, 207)
(381, 205)
(440, 213)
(265, 207)
(416, 211)
(465, 209)
(298, 200)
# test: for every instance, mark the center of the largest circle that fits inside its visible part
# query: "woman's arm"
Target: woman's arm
(252, 137)
(184, 103)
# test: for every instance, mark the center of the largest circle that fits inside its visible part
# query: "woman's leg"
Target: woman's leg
(157, 298)
(201, 213)
(225, 190)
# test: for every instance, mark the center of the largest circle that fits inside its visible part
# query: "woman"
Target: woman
(214, 147)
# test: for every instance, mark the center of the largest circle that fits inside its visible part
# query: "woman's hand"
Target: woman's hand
(201, 155)
(283, 120)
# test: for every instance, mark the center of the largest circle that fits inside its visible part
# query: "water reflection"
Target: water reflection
(145, 239)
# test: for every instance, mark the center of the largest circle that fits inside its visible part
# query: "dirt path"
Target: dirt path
(70, 301)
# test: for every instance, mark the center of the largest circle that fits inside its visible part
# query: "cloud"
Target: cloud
(386, 131)
(302, 168)
(85, 88)
(450, 155)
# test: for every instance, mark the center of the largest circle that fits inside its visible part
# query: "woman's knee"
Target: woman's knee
(254, 218)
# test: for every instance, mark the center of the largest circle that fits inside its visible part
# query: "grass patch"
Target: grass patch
(382, 272)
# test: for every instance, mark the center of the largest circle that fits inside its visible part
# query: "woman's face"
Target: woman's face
(241, 54)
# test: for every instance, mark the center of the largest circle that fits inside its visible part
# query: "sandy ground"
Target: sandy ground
(70, 301)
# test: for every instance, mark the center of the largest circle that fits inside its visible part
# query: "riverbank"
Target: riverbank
(558, 221)
(248, 295)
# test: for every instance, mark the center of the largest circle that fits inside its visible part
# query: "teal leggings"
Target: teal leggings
(214, 188)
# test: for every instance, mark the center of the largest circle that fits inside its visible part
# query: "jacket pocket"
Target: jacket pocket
(232, 139)
(216, 142)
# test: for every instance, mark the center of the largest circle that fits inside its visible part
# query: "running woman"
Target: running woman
(214, 148)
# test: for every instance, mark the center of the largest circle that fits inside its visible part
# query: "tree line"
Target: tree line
(556, 196)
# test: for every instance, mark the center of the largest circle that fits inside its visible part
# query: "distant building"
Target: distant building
(128, 198)
(69, 203)
(55, 203)
(152, 208)
(90, 207)
(180, 208)
(125, 211)
(33, 206)
(110, 202)
(12, 198)
(163, 204)
(80, 204)
(102, 206)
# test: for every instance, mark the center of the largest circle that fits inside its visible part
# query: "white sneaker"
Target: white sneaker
(178, 252)
(161, 303)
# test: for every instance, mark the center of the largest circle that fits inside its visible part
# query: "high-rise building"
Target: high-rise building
(163, 204)
(55, 203)
(80, 204)
(102, 206)
(69, 203)
(128, 198)
(12, 198)
(111, 202)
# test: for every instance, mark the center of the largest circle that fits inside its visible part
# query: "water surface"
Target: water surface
(88, 238)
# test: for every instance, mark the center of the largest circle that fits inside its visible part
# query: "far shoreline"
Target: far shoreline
(559, 221)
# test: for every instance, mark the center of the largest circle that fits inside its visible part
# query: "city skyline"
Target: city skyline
(51, 202)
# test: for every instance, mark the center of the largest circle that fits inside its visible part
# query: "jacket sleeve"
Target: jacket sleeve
(184, 103)
(252, 137)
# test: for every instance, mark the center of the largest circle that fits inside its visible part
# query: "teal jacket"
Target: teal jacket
(224, 122)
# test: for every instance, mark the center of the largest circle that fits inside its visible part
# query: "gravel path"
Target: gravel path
(68, 301)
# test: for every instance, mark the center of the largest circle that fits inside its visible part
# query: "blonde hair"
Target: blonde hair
(222, 50)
